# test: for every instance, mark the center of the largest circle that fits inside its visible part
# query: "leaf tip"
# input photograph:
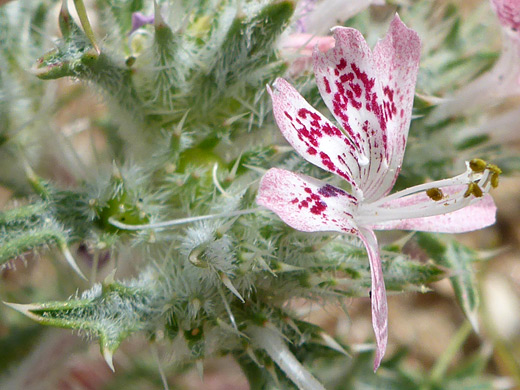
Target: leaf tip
(108, 355)
(25, 309)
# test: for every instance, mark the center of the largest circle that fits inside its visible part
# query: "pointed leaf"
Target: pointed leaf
(247, 45)
(459, 259)
(112, 313)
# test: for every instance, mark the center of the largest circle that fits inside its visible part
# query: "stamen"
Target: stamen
(494, 168)
(461, 179)
(494, 180)
(474, 189)
(435, 194)
(478, 165)
(495, 172)
(376, 212)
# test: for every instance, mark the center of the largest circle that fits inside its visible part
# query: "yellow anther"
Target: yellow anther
(494, 168)
(494, 180)
(474, 189)
(478, 165)
(435, 193)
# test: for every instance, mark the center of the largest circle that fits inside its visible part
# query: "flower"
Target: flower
(298, 49)
(508, 13)
(317, 17)
(139, 20)
(503, 80)
(370, 93)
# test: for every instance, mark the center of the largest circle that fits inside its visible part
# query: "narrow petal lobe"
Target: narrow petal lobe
(478, 215)
(371, 95)
(378, 294)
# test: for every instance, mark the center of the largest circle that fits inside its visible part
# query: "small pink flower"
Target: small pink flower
(508, 13)
(298, 50)
(370, 93)
(317, 17)
(139, 20)
(503, 80)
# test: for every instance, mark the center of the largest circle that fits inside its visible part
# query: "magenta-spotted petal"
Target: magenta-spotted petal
(508, 13)
(396, 59)
(378, 294)
(371, 95)
(478, 215)
(312, 135)
(305, 203)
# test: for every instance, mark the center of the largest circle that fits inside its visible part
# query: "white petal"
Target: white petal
(307, 204)
(371, 95)
(478, 215)
(378, 294)
(312, 135)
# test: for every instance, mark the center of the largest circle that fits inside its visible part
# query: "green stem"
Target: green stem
(442, 364)
(83, 17)
(504, 356)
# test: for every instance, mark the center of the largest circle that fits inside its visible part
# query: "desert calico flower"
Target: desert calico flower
(370, 93)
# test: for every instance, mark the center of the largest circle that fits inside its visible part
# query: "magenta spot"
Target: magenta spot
(367, 82)
(357, 105)
(318, 208)
(295, 200)
(325, 159)
(288, 116)
(312, 151)
(327, 85)
(366, 127)
(308, 190)
(344, 78)
(342, 64)
(302, 113)
(329, 191)
(389, 92)
(331, 130)
(356, 88)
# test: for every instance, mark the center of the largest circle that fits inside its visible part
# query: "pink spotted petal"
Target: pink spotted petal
(297, 48)
(305, 203)
(396, 59)
(476, 216)
(312, 135)
(508, 13)
(319, 17)
(378, 294)
(371, 95)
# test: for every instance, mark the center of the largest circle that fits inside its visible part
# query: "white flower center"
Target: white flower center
(430, 199)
